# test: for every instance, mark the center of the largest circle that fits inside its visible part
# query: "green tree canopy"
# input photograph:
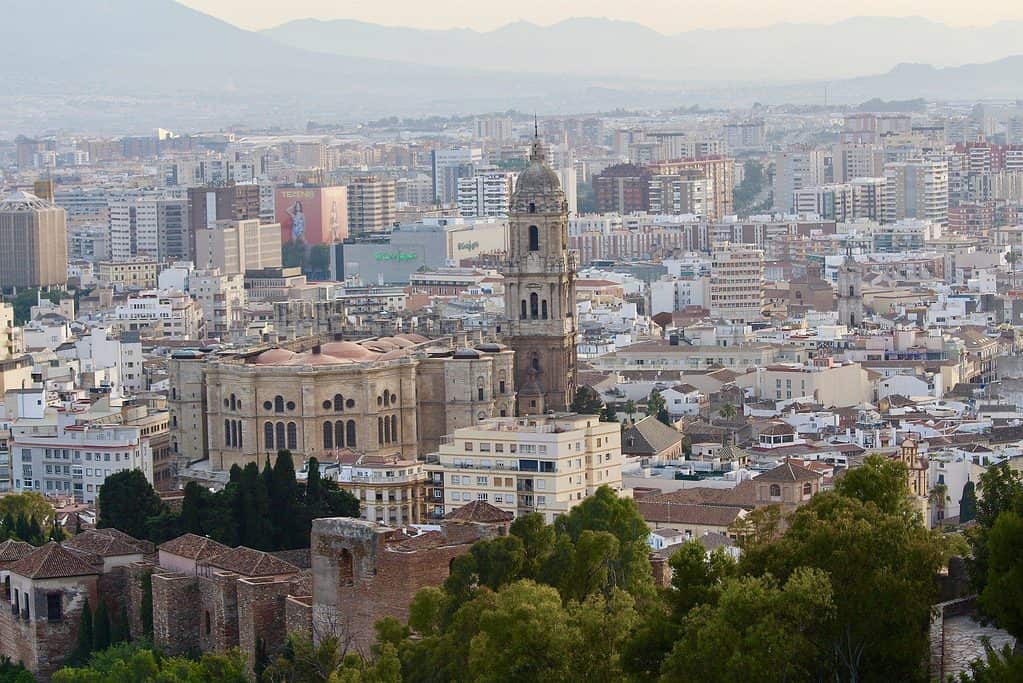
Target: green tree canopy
(127, 501)
(587, 401)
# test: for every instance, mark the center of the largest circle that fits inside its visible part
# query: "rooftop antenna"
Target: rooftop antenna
(536, 126)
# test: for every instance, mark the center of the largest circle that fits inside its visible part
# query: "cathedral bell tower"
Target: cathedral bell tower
(850, 292)
(539, 290)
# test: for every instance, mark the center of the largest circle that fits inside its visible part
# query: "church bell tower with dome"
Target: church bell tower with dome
(539, 290)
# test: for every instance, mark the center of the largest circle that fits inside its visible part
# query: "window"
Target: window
(775, 491)
(328, 436)
(268, 435)
(394, 428)
(468, 445)
(543, 313)
(280, 435)
(481, 481)
(54, 607)
(500, 386)
(534, 238)
(292, 435)
(522, 313)
(534, 306)
(339, 433)
(278, 404)
(807, 489)
(482, 496)
(227, 432)
(350, 429)
(380, 431)
(339, 403)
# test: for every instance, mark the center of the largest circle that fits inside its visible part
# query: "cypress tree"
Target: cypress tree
(314, 485)
(83, 647)
(101, 628)
(146, 609)
(284, 502)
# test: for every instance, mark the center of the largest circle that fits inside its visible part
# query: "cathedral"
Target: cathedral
(539, 285)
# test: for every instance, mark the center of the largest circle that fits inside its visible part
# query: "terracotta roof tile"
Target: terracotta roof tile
(100, 544)
(789, 471)
(11, 550)
(249, 562)
(51, 561)
(193, 547)
(681, 513)
(479, 511)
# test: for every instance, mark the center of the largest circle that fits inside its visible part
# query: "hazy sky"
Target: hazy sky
(664, 15)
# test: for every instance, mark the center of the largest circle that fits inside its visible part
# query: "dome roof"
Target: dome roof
(412, 337)
(400, 342)
(380, 345)
(393, 355)
(347, 349)
(316, 359)
(467, 354)
(538, 178)
(274, 356)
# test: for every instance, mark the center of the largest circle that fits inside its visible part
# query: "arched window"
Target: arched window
(234, 402)
(387, 397)
(292, 435)
(534, 238)
(350, 434)
(807, 489)
(278, 404)
(328, 436)
(534, 306)
(522, 313)
(240, 433)
(268, 435)
(394, 428)
(339, 403)
(380, 430)
(532, 207)
(280, 435)
(227, 432)
(234, 433)
(852, 291)
(535, 362)
(543, 313)
(775, 491)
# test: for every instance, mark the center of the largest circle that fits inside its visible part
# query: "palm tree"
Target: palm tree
(938, 497)
(630, 409)
(727, 411)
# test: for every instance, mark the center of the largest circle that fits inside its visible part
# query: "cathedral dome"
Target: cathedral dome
(538, 181)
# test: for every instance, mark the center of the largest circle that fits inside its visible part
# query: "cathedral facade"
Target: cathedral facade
(539, 281)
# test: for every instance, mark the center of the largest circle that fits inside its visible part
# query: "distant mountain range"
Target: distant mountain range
(133, 65)
(782, 52)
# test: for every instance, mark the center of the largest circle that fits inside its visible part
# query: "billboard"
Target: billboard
(312, 215)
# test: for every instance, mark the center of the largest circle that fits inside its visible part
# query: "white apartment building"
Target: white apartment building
(222, 299)
(234, 247)
(153, 227)
(794, 170)
(487, 194)
(168, 314)
(675, 294)
(736, 282)
(917, 189)
(541, 463)
(856, 160)
(834, 201)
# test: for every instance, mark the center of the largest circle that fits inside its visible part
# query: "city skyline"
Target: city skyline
(664, 16)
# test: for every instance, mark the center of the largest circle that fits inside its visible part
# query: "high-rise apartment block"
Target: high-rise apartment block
(370, 205)
(917, 189)
(33, 243)
(745, 134)
(154, 227)
(736, 282)
(448, 166)
(794, 170)
(233, 247)
(540, 463)
(680, 195)
(487, 194)
(718, 170)
(622, 188)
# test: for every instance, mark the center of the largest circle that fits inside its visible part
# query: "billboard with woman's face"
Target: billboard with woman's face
(312, 215)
